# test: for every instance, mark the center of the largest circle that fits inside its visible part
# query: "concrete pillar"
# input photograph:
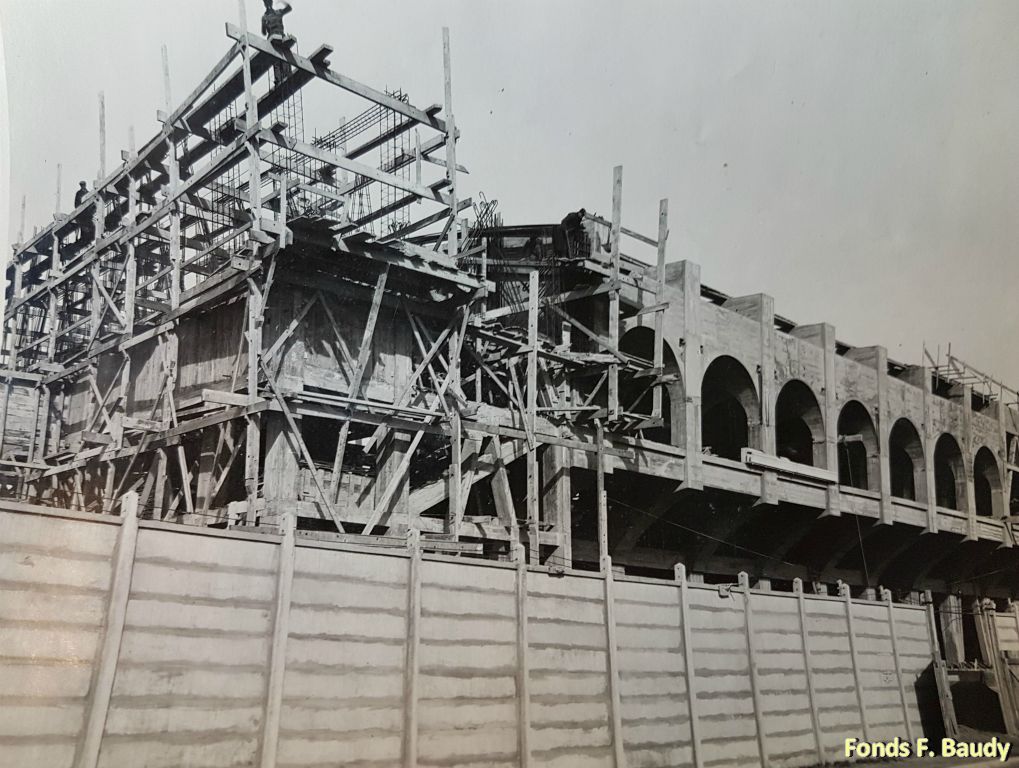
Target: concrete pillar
(920, 376)
(965, 391)
(282, 478)
(761, 308)
(823, 335)
(685, 276)
(556, 498)
(878, 358)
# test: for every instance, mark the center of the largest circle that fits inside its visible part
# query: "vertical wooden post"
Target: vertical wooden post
(102, 135)
(617, 210)
(410, 672)
(533, 510)
(280, 633)
(456, 503)
(450, 141)
(857, 679)
(603, 500)
(167, 96)
(906, 721)
(755, 683)
(615, 704)
(98, 703)
(688, 665)
(663, 235)
(21, 226)
(523, 662)
(940, 673)
(815, 717)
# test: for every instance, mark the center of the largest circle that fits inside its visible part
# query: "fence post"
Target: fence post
(815, 717)
(755, 684)
(848, 600)
(280, 633)
(940, 673)
(887, 595)
(614, 698)
(410, 672)
(523, 664)
(98, 705)
(691, 688)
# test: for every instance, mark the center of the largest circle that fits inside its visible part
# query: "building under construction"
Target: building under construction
(327, 462)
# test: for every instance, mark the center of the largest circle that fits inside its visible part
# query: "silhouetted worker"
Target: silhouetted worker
(272, 28)
(570, 234)
(272, 21)
(79, 196)
(86, 228)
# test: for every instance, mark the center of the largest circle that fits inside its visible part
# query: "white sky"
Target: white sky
(856, 160)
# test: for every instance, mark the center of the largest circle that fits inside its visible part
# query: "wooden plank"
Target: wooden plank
(617, 209)
(906, 719)
(410, 672)
(348, 84)
(602, 499)
(615, 700)
(363, 356)
(294, 435)
(360, 169)
(530, 417)
(523, 662)
(452, 248)
(693, 705)
(660, 305)
(98, 702)
(604, 343)
(857, 678)
(815, 717)
(755, 682)
(280, 633)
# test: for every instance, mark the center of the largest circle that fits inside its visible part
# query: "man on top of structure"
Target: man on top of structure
(86, 229)
(272, 20)
(570, 235)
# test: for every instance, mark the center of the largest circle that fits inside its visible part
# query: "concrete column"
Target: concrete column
(966, 391)
(920, 376)
(556, 500)
(878, 358)
(282, 472)
(823, 335)
(686, 277)
(761, 308)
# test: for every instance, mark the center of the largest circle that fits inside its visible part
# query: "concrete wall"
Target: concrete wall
(219, 645)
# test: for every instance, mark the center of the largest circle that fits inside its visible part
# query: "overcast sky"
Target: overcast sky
(856, 160)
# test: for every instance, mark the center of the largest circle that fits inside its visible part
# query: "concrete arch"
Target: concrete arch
(987, 497)
(906, 463)
(730, 409)
(858, 450)
(799, 425)
(949, 474)
(636, 393)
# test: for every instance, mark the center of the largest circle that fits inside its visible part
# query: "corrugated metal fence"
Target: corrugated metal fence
(127, 643)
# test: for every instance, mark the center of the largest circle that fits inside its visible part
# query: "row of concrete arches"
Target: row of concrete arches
(730, 409)
(731, 421)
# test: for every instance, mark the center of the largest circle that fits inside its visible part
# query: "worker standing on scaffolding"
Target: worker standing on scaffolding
(272, 28)
(272, 20)
(570, 235)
